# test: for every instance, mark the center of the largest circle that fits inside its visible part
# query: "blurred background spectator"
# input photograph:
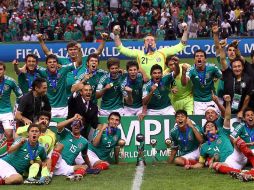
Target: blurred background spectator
(85, 19)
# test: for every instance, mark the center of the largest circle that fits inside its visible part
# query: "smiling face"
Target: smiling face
(92, 64)
(76, 126)
(210, 128)
(86, 92)
(114, 70)
(237, 68)
(181, 120)
(249, 118)
(73, 52)
(211, 115)
(52, 65)
(133, 71)
(31, 63)
(113, 121)
(156, 75)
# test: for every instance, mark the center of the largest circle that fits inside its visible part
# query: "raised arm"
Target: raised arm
(60, 126)
(184, 78)
(195, 131)
(223, 61)
(16, 146)
(146, 99)
(43, 45)
(217, 102)
(215, 30)
(99, 131)
(128, 98)
(116, 32)
(104, 37)
(227, 117)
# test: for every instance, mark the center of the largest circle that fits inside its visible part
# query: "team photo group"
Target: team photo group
(154, 82)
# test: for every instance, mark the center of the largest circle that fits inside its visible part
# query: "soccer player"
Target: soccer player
(151, 55)
(56, 79)
(181, 96)
(92, 76)
(72, 50)
(155, 92)
(25, 80)
(20, 155)
(186, 138)
(110, 90)
(73, 144)
(7, 85)
(202, 75)
(47, 139)
(132, 89)
(32, 103)
(105, 139)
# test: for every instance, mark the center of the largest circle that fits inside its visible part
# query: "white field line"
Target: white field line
(137, 181)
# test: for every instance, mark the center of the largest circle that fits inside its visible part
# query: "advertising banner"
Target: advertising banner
(10, 51)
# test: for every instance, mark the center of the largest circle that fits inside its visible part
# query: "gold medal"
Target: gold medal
(31, 162)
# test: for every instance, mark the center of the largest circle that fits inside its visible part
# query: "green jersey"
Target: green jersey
(112, 99)
(6, 86)
(93, 81)
(67, 60)
(160, 99)
(186, 141)
(221, 146)
(20, 159)
(72, 146)
(25, 81)
(136, 86)
(182, 91)
(160, 34)
(57, 90)
(246, 133)
(146, 61)
(107, 143)
(203, 82)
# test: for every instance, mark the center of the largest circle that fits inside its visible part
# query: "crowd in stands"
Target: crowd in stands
(79, 20)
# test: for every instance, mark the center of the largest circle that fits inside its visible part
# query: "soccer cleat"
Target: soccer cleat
(234, 174)
(31, 181)
(245, 177)
(75, 177)
(45, 180)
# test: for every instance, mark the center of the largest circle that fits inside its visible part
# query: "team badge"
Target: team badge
(243, 84)
(207, 76)
(80, 145)
(6, 87)
(218, 141)
(158, 59)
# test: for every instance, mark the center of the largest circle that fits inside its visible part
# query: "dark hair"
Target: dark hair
(113, 61)
(237, 59)
(131, 64)
(115, 114)
(71, 44)
(169, 58)
(33, 125)
(44, 113)
(214, 123)
(246, 110)
(51, 56)
(38, 82)
(252, 54)
(231, 45)
(154, 67)
(93, 55)
(3, 64)
(33, 56)
(181, 112)
(200, 50)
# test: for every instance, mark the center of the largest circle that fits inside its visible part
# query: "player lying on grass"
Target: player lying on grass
(21, 155)
(106, 138)
(48, 140)
(186, 138)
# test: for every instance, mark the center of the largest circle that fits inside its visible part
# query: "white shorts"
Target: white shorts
(62, 168)
(6, 169)
(93, 158)
(103, 112)
(128, 111)
(7, 120)
(200, 107)
(165, 111)
(59, 112)
(79, 159)
(194, 155)
(236, 160)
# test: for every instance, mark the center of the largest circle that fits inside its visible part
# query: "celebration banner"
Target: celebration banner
(10, 51)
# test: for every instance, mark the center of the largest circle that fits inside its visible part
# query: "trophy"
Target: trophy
(168, 143)
(153, 143)
(121, 143)
(140, 148)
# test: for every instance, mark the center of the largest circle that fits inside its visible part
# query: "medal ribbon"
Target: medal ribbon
(52, 78)
(184, 139)
(30, 78)
(2, 87)
(32, 153)
(250, 133)
(201, 76)
(209, 135)
(150, 48)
